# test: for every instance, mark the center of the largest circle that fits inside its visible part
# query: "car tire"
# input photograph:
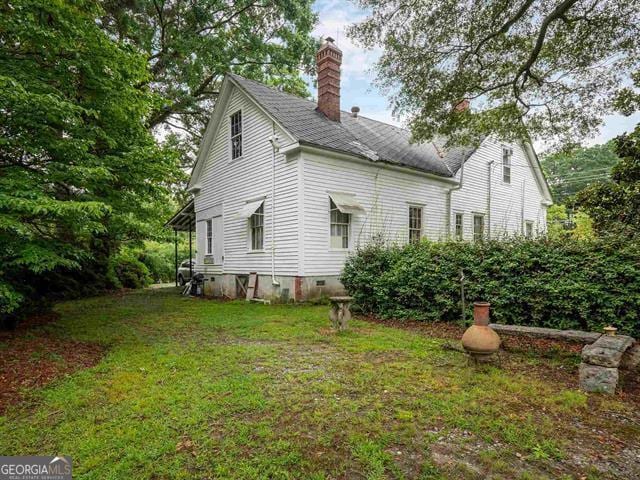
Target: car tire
(180, 280)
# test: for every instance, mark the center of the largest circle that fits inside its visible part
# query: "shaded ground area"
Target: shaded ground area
(31, 357)
(199, 389)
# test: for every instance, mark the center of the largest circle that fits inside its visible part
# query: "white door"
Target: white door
(218, 240)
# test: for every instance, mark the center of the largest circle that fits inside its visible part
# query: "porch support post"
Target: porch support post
(175, 254)
(190, 253)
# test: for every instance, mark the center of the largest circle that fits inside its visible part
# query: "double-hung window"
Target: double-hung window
(459, 233)
(209, 249)
(478, 228)
(236, 135)
(339, 229)
(415, 224)
(528, 229)
(256, 226)
(507, 153)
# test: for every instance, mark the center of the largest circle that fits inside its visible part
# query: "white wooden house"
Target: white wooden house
(287, 188)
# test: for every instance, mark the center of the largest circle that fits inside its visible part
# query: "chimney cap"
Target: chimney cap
(329, 40)
(354, 111)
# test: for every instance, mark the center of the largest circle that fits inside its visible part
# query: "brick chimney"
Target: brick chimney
(462, 105)
(328, 61)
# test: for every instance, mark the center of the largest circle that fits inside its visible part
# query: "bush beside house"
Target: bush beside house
(547, 283)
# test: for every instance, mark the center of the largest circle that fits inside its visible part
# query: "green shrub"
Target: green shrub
(547, 283)
(159, 257)
(126, 271)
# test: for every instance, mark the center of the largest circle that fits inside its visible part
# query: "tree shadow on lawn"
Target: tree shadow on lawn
(32, 356)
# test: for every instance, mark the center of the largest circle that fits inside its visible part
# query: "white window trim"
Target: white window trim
(484, 225)
(250, 248)
(349, 229)
(526, 224)
(208, 235)
(455, 236)
(409, 207)
(231, 136)
(508, 150)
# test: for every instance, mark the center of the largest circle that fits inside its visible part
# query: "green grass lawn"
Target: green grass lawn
(193, 388)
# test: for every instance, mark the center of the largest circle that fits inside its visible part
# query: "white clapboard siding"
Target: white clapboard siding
(506, 198)
(385, 194)
(303, 184)
(230, 183)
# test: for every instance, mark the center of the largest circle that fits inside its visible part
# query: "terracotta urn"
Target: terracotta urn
(480, 341)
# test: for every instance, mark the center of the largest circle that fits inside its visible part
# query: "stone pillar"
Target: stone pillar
(600, 362)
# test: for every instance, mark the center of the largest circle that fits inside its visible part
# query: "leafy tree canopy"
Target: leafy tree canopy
(560, 225)
(568, 172)
(189, 46)
(615, 205)
(539, 68)
(79, 171)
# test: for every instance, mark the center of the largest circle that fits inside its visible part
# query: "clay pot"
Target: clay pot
(480, 341)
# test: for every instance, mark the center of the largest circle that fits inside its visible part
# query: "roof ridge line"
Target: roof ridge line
(315, 102)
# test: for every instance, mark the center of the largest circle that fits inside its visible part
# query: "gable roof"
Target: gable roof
(359, 136)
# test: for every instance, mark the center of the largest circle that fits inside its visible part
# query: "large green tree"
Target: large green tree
(80, 172)
(189, 46)
(568, 172)
(550, 69)
(614, 206)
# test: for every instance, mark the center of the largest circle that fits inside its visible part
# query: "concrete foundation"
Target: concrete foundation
(289, 288)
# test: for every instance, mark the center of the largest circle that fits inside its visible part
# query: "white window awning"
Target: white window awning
(250, 208)
(346, 202)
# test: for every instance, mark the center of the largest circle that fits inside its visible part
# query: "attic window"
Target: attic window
(506, 164)
(236, 135)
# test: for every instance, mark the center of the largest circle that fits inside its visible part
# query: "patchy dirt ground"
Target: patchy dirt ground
(561, 357)
(31, 357)
(203, 389)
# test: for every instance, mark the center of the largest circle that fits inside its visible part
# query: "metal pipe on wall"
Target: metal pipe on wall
(274, 147)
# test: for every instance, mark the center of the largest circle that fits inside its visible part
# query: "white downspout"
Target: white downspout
(449, 206)
(274, 147)
(522, 211)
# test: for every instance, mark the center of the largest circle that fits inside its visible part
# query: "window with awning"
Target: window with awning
(346, 203)
(250, 208)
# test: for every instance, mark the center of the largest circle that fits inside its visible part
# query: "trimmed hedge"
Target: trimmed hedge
(563, 284)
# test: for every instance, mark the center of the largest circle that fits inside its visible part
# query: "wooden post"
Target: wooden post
(190, 254)
(175, 253)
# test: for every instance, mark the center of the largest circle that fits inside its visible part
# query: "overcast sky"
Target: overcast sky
(358, 75)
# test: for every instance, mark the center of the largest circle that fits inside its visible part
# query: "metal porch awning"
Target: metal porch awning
(184, 220)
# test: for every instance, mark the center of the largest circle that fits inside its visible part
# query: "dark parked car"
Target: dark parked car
(183, 271)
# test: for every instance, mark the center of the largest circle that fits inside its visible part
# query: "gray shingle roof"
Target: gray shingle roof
(361, 136)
